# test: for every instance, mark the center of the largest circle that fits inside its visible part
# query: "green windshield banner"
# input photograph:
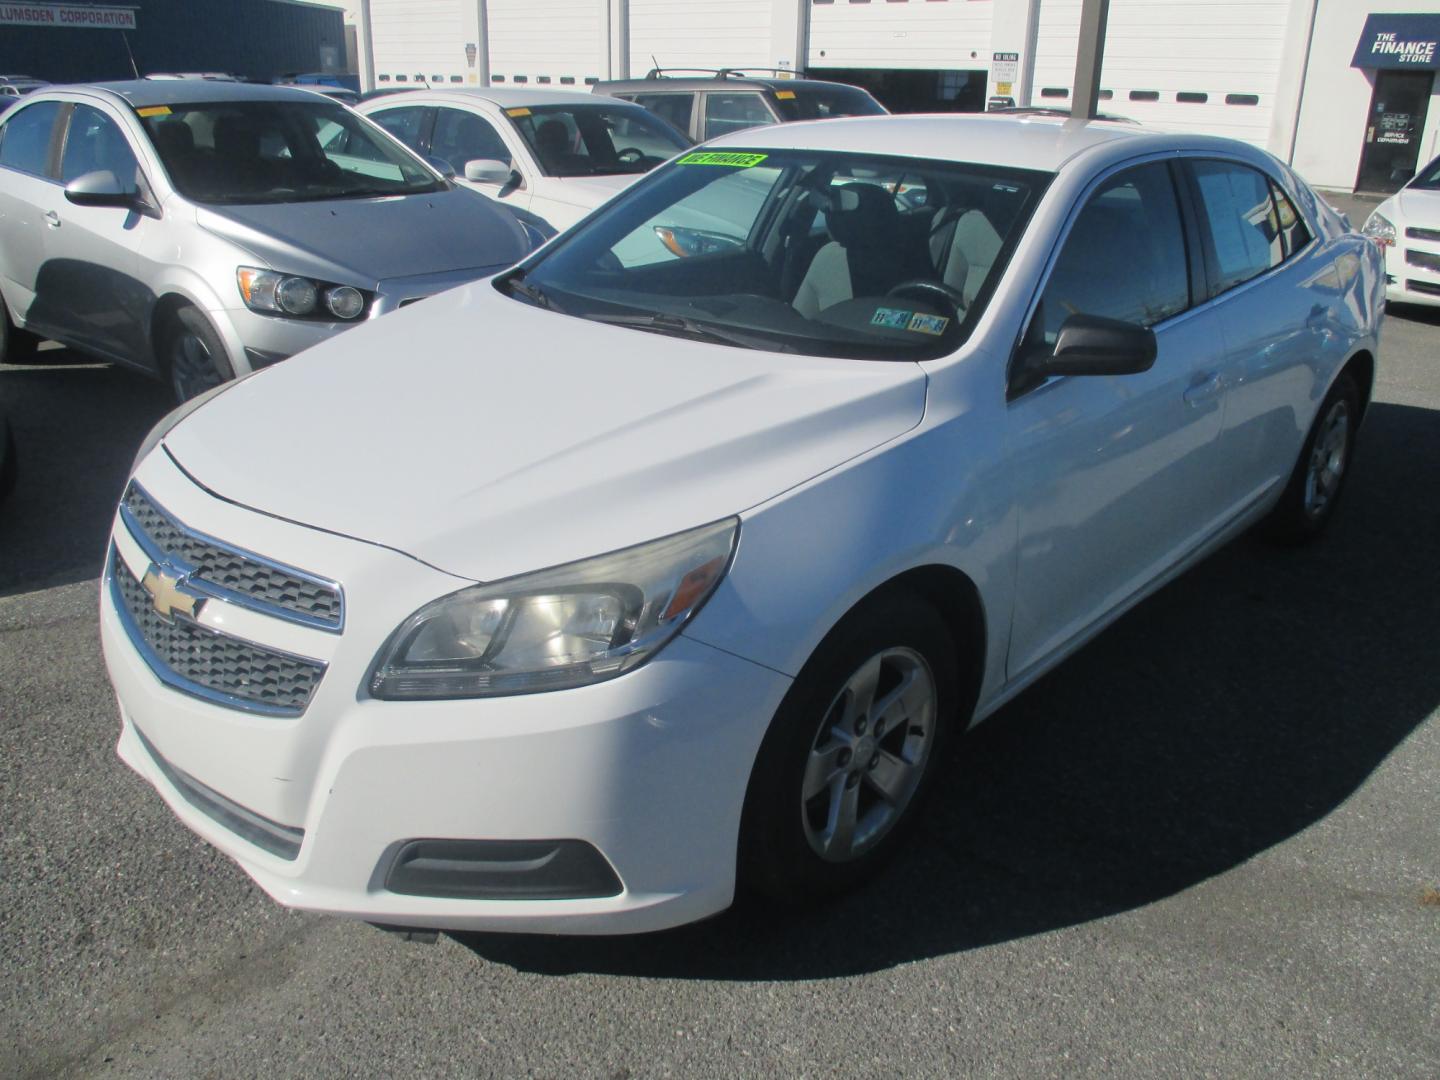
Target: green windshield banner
(716, 157)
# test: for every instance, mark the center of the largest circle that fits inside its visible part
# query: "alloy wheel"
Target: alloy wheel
(1327, 459)
(869, 755)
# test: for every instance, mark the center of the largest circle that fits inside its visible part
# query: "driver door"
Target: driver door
(1114, 475)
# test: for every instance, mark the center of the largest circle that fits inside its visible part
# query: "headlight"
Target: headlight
(555, 629)
(1380, 229)
(288, 294)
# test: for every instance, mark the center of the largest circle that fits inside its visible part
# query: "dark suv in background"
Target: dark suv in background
(704, 104)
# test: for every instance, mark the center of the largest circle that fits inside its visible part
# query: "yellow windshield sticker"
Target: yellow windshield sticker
(716, 157)
(154, 110)
(517, 112)
(784, 95)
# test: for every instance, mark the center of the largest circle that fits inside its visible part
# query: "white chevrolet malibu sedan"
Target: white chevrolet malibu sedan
(578, 599)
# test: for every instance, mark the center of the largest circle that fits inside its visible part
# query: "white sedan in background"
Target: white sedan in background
(1407, 228)
(578, 599)
(553, 153)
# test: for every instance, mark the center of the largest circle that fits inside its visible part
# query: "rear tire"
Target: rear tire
(829, 801)
(1315, 486)
(16, 346)
(192, 356)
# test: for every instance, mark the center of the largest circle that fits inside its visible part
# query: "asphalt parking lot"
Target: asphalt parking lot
(1208, 844)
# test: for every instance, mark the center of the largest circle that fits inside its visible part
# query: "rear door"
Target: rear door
(1279, 295)
(27, 147)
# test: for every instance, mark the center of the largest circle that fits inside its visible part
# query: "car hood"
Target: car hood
(488, 438)
(363, 241)
(1420, 207)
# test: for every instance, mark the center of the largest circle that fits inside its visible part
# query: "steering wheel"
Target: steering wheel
(927, 289)
(631, 155)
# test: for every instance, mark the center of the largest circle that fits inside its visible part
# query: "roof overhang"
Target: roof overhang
(1409, 41)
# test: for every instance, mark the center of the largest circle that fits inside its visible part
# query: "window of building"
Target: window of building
(1054, 92)
(1144, 95)
(1191, 97)
(1242, 99)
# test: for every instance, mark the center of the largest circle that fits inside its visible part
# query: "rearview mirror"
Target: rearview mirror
(100, 188)
(1090, 345)
(487, 171)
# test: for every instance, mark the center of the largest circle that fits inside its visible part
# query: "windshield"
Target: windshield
(279, 152)
(1428, 178)
(595, 140)
(830, 254)
(819, 102)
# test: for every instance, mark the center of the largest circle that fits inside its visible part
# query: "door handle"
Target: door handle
(1204, 387)
(52, 219)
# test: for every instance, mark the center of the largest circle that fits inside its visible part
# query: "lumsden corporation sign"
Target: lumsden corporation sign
(71, 15)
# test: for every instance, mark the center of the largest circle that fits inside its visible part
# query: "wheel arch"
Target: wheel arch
(1361, 368)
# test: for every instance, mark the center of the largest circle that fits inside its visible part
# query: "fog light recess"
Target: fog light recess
(501, 870)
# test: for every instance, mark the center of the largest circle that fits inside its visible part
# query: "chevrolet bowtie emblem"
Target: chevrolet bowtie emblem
(169, 594)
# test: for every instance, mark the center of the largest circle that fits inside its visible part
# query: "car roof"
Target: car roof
(1029, 142)
(503, 96)
(720, 80)
(144, 92)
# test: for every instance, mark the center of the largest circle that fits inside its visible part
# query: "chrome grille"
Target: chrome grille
(208, 664)
(235, 575)
(1432, 235)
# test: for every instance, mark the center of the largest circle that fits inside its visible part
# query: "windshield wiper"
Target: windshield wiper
(516, 283)
(681, 326)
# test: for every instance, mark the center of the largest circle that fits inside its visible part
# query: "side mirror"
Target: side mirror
(440, 165)
(487, 171)
(1091, 345)
(100, 188)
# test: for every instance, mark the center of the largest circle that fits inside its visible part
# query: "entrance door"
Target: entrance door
(1393, 130)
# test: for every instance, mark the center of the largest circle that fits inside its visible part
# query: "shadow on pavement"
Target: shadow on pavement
(77, 426)
(1239, 706)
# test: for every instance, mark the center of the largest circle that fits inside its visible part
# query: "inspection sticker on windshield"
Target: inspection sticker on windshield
(716, 157)
(517, 112)
(899, 319)
(928, 324)
(154, 110)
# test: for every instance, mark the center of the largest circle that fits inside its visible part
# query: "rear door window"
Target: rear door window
(462, 136)
(674, 109)
(25, 137)
(725, 113)
(1241, 221)
(404, 123)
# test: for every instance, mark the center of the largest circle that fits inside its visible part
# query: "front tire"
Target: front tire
(1314, 488)
(192, 355)
(842, 774)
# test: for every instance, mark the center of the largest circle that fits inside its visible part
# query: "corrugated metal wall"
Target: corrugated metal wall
(257, 39)
(418, 39)
(699, 33)
(549, 39)
(1218, 48)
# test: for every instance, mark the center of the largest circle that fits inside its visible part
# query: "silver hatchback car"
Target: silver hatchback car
(198, 231)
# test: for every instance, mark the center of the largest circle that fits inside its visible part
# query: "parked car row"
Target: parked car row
(197, 228)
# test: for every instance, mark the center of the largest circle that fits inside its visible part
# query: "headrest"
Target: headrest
(861, 215)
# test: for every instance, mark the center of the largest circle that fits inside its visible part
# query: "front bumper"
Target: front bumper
(650, 769)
